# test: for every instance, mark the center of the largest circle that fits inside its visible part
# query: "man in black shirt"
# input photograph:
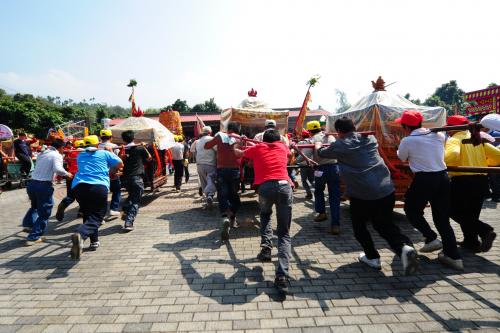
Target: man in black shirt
(133, 171)
(22, 150)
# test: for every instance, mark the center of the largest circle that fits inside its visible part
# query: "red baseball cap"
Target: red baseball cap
(410, 118)
(456, 120)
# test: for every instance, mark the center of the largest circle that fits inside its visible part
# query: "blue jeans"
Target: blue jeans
(277, 193)
(307, 177)
(37, 217)
(116, 194)
(135, 189)
(70, 198)
(330, 178)
(228, 183)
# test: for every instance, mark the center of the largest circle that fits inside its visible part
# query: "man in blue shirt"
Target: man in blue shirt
(90, 188)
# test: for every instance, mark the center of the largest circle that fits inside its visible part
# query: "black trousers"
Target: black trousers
(178, 172)
(25, 164)
(93, 200)
(433, 188)
(135, 189)
(467, 196)
(380, 213)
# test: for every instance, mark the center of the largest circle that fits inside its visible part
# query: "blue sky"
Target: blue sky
(196, 50)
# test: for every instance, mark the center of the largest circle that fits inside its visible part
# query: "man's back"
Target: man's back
(178, 151)
(135, 157)
(204, 156)
(361, 168)
(424, 151)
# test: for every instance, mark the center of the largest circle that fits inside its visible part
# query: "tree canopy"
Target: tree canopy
(37, 114)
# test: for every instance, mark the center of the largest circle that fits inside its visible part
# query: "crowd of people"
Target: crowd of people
(95, 168)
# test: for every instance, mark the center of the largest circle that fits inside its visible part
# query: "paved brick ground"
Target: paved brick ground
(172, 274)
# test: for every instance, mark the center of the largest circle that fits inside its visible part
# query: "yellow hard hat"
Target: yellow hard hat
(178, 138)
(106, 132)
(91, 140)
(313, 125)
(79, 144)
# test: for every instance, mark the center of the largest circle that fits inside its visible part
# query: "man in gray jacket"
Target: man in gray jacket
(371, 193)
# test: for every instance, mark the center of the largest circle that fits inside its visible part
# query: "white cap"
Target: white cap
(270, 123)
(206, 130)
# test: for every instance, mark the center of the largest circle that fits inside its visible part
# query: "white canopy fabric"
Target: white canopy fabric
(391, 106)
(147, 130)
(377, 112)
(252, 113)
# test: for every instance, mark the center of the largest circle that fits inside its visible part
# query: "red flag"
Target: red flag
(299, 124)
(198, 126)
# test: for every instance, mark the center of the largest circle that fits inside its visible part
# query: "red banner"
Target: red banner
(299, 125)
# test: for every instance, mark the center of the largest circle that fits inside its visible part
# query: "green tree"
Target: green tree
(492, 84)
(448, 95)
(209, 106)
(414, 101)
(180, 105)
(341, 101)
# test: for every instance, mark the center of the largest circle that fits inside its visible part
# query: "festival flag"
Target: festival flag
(299, 124)
(60, 133)
(198, 126)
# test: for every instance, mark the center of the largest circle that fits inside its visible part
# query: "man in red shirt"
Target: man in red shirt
(72, 167)
(270, 167)
(228, 176)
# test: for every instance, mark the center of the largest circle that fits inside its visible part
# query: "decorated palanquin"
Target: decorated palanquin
(252, 113)
(377, 112)
(483, 101)
(172, 120)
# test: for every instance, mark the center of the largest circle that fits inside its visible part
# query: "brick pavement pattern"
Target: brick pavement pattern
(173, 274)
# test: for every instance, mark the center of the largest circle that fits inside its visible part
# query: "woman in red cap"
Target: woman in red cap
(424, 151)
(468, 190)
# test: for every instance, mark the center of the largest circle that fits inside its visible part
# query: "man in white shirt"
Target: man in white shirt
(270, 124)
(424, 150)
(40, 191)
(178, 162)
(206, 164)
(326, 175)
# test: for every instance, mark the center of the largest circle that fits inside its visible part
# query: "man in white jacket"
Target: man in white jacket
(206, 164)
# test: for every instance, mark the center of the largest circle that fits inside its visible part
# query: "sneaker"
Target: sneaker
(432, 246)
(309, 196)
(114, 212)
(60, 211)
(320, 217)
(409, 260)
(77, 247)
(457, 264)
(335, 230)
(265, 254)
(234, 222)
(94, 246)
(128, 226)
(373, 263)
(281, 283)
(225, 229)
(487, 241)
(31, 242)
(210, 201)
